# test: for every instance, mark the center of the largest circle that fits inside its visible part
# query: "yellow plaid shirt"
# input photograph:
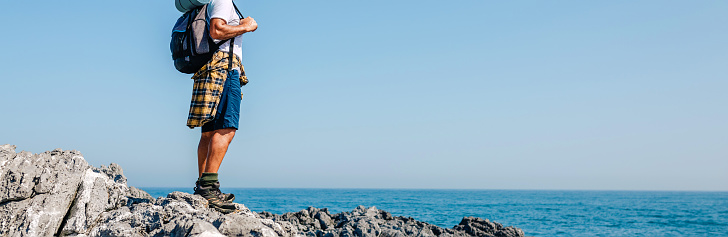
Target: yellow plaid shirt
(206, 91)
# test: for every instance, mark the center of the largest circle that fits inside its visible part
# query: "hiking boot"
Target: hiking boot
(225, 197)
(213, 200)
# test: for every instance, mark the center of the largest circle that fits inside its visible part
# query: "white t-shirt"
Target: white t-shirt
(224, 9)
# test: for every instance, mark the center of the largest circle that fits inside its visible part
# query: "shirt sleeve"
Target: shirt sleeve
(220, 9)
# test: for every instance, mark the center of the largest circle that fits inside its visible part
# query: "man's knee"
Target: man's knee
(224, 135)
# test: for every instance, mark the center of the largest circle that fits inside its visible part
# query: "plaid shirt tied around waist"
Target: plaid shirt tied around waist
(206, 91)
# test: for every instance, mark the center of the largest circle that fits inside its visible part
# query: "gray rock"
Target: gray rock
(37, 190)
(324, 219)
(138, 196)
(483, 227)
(203, 229)
(184, 214)
(101, 190)
(371, 221)
(59, 193)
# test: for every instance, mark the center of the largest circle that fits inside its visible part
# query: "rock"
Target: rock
(324, 218)
(483, 227)
(371, 221)
(59, 193)
(138, 196)
(101, 189)
(204, 229)
(38, 190)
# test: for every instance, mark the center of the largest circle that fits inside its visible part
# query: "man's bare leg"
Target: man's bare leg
(202, 150)
(212, 148)
(210, 152)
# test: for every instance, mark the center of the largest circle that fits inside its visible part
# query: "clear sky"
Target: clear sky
(598, 95)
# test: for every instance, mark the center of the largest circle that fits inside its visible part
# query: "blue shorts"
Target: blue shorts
(228, 110)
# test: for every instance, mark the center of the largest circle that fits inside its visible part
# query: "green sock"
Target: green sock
(207, 179)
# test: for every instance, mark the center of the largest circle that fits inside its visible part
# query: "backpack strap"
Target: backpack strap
(238, 11)
(230, 51)
(232, 42)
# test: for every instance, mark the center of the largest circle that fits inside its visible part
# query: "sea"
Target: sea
(537, 212)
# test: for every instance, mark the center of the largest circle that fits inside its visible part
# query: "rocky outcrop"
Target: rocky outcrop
(59, 193)
(372, 222)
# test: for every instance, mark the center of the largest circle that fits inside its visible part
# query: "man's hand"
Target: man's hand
(249, 23)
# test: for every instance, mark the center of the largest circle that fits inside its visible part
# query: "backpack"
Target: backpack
(191, 44)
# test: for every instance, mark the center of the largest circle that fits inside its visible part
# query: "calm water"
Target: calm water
(538, 213)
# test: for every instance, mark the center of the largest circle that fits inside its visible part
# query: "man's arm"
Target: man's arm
(219, 29)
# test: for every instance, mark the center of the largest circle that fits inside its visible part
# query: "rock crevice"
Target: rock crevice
(68, 213)
(59, 193)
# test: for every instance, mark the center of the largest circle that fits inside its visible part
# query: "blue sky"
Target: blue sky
(598, 95)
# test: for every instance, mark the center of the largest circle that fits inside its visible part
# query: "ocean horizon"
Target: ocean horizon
(537, 212)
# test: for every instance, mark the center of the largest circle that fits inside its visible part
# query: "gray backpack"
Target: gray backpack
(191, 44)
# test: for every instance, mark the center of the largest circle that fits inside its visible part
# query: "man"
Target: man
(216, 99)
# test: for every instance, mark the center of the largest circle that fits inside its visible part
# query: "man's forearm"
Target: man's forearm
(225, 31)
